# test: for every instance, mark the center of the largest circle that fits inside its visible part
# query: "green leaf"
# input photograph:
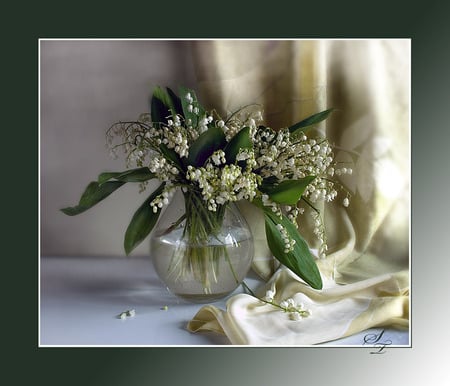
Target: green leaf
(161, 106)
(312, 120)
(240, 141)
(299, 260)
(176, 102)
(93, 194)
(159, 112)
(166, 98)
(135, 175)
(142, 223)
(205, 145)
(287, 192)
(171, 155)
(98, 190)
(184, 103)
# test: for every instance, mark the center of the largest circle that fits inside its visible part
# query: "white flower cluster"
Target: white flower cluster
(281, 155)
(297, 311)
(245, 117)
(164, 170)
(141, 139)
(220, 183)
(174, 136)
(273, 157)
(163, 198)
(291, 212)
(218, 157)
(289, 157)
(288, 241)
(319, 231)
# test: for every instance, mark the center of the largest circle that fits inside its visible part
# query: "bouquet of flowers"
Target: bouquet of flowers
(216, 161)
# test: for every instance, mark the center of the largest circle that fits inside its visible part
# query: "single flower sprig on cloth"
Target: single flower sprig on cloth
(296, 311)
(216, 161)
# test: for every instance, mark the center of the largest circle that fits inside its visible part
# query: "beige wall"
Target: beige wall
(88, 85)
(85, 86)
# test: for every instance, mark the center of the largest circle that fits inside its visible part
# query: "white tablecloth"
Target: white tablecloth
(81, 298)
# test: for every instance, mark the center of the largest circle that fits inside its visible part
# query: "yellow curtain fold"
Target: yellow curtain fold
(368, 84)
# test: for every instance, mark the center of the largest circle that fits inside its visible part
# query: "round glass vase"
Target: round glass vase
(201, 255)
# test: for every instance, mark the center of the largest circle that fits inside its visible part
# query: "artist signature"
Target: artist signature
(377, 341)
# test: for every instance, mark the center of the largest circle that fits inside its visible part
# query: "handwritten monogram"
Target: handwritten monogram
(377, 342)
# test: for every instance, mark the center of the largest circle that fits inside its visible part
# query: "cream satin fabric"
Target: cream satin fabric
(366, 272)
(337, 311)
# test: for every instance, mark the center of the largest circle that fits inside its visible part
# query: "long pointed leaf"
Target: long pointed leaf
(164, 96)
(299, 260)
(142, 222)
(93, 194)
(311, 120)
(135, 175)
(240, 141)
(171, 155)
(288, 192)
(205, 145)
(160, 106)
(190, 115)
(176, 102)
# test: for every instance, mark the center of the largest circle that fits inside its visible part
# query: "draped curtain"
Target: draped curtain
(367, 82)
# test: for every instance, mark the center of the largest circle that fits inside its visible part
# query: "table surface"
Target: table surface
(80, 300)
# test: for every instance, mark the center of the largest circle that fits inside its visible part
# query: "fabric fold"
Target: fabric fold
(337, 311)
(366, 270)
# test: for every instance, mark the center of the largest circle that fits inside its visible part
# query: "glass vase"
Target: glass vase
(201, 255)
